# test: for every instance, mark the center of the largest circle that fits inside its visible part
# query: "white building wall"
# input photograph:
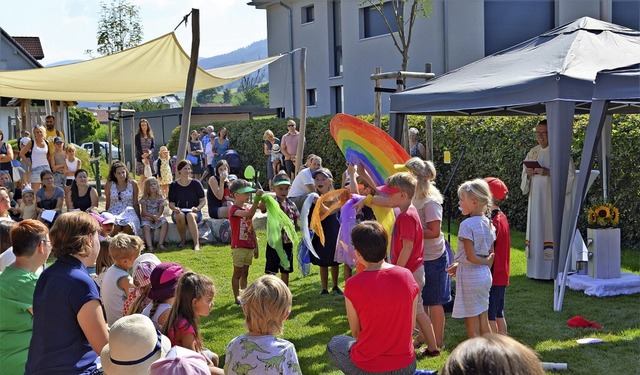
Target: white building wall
(451, 37)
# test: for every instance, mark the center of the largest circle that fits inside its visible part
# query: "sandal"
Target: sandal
(425, 352)
(161, 247)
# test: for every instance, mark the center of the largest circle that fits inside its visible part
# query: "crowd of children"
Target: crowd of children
(401, 288)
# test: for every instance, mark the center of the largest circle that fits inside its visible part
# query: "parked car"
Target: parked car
(105, 149)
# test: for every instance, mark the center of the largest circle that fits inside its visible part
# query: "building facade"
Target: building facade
(346, 40)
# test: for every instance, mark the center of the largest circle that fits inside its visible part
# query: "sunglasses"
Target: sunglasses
(119, 196)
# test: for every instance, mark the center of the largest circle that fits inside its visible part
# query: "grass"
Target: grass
(530, 316)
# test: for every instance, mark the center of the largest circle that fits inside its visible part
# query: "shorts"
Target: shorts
(273, 260)
(418, 276)
(35, 173)
(198, 217)
(496, 302)
(437, 282)
(242, 257)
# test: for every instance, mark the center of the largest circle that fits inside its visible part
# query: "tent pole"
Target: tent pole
(191, 77)
(303, 108)
(605, 152)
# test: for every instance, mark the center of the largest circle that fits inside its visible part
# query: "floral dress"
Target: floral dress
(154, 207)
(165, 177)
(122, 207)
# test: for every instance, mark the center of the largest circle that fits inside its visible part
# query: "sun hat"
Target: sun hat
(498, 188)
(164, 280)
(27, 190)
(98, 218)
(142, 268)
(281, 179)
(108, 218)
(134, 344)
(181, 361)
(275, 148)
(246, 189)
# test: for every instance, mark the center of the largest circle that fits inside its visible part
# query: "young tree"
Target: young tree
(119, 27)
(251, 81)
(255, 97)
(404, 20)
(83, 123)
(226, 96)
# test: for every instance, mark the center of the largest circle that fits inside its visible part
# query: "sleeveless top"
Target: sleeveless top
(7, 165)
(72, 167)
(39, 155)
(213, 203)
(82, 203)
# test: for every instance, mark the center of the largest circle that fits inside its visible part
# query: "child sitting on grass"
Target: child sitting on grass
(244, 244)
(164, 280)
(266, 303)
(123, 249)
(138, 297)
(381, 302)
(194, 298)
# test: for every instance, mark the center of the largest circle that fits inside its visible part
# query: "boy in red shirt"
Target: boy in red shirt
(502, 250)
(244, 245)
(382, 295)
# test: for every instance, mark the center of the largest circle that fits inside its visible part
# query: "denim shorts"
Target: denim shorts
(35, 173)
(437, 283)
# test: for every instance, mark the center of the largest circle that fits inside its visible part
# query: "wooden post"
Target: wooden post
(191, 77)
(303, 108)
(428, 127)
(377, 99)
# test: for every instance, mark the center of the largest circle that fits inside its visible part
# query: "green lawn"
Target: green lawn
(530, 316)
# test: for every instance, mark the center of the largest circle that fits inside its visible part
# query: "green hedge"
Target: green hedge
(495, 146)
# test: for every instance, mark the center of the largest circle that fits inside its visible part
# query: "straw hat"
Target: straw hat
(134, 344)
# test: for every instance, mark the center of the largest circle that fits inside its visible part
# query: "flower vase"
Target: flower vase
(604, 253)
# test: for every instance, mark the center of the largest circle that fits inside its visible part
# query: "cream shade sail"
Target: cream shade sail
(158, 67)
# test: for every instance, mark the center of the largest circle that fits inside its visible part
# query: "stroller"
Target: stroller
(233, 158)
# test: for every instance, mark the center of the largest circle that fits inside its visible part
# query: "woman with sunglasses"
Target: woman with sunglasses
(121, 193)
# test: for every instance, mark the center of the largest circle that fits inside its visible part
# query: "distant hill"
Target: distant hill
(63, 62)
(254, 51)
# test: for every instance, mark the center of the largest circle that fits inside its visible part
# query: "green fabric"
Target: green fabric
(16, 322)
(277, 221)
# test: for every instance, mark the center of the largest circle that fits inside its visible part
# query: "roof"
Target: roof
(32, 45)
(20, 48)
(560, 64)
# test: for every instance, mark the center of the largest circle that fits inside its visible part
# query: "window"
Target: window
(337, 40)
(311, 97)
(507, 23)
(337, 99)
(373, 23)
(308, 14)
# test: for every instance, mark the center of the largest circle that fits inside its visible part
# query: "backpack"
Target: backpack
(30, 144)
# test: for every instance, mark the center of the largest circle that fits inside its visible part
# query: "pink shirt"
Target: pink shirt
(289, 143)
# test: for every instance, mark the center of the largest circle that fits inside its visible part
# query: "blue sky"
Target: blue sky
(68, 27)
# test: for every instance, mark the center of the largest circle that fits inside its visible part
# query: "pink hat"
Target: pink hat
(164, 280)
(180, 361)
(142, 268)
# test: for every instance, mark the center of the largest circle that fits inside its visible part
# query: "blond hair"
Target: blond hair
(124, 246)
(404, 181)
(266, 304)
(268, 134)
(477, 189)
(425, 173)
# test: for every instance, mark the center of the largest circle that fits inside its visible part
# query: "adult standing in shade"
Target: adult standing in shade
(416, 149)
(6, 155)
(144, 149)
(69, 330)
(289, 148)
(269, 141)
(536, 182)
(36, 155)
(220, 145)
(195, 154)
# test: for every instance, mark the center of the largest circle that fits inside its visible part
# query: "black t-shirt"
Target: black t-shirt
(186, 196)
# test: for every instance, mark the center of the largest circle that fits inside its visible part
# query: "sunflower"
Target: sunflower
(592, 217)
(615, 216)
(603, 212)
